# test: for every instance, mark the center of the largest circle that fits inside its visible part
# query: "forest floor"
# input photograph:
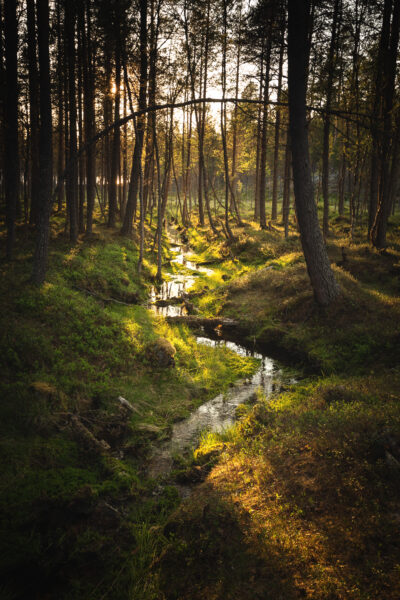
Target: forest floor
(300, 500)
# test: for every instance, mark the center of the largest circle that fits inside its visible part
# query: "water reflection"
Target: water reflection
(219, 413)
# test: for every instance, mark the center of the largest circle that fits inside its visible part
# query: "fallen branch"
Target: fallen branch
(109, 299)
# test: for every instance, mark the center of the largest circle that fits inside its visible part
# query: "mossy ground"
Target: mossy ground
(301, 499)
(77, 522)
(304, 500)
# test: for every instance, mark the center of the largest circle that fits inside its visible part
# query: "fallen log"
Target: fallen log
(212, 323)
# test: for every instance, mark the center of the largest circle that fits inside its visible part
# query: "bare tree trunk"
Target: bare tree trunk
(33, 112)
(45, 146)
(257, 174)
(327, 118)
(323, 282)
(274, 209)
(60, 111)
(116, 142)
(263, 149)
(11, 159)
(88, 100)
(81, 160)
(379, 229)
(234, 199)
(72, 176)
(377, 114)
(286, 187)
(202, 112)
(223, 120)
(149, 152)
(141, 123)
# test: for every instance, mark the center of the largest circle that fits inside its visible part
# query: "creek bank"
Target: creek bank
(268, 341)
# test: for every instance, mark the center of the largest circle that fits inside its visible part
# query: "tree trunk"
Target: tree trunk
(286, 187)
(379, 229)
(60, 111)
(223, 120)
(322, 279)
(116, 142)
(141, 122)
(72, 176)
(274, 209)
(45, 145)
(263, 147)
(88, 100)
(327, 118)
(33, 112)
(376, 141)
(11, 158)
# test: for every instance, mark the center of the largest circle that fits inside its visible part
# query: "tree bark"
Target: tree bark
(264, 128)
(72, 176)
(33, 112)
(116, 141)
(11, 158)
(141, 122)
(45, 145)
(274, 209)
(327, 119)
(323, 282)
(379, 229)
(286, 187)
(88, 101)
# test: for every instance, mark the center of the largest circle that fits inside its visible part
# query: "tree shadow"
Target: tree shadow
(209, 555)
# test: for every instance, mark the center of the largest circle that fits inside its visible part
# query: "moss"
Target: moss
(66, 353)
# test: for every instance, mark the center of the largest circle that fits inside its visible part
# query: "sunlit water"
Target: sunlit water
(217, 414)
(176, 285)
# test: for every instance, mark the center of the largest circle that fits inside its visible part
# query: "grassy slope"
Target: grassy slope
(67, 353)
(307, 487)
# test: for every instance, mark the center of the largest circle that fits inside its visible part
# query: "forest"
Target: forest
(200, 299)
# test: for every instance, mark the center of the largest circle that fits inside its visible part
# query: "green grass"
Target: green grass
(300, 498)
(305, 484)
(65, 351)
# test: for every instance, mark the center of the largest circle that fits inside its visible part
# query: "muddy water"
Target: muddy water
(219, 413)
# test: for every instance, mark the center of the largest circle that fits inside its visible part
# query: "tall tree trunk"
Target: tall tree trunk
(45, 145)
(286, 187)
(202, 112)
(116, 142)
(257, 173)
(264, 128)
(377, 113)
(223, 120)
(274, 209)
(11, 158)
(72, 176)
(33, 112)
(149, 153)
(327, 119)
(141, 122)
(81, 159)
(60, 111)
(379, 229)
(234, 199)
(88, 100)
(322, 278)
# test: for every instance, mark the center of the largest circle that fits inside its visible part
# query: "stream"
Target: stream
(218, 413)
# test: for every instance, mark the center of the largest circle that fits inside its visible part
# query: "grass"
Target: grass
(306, 482)
(300, 498)
(80, 521)
(306, 486)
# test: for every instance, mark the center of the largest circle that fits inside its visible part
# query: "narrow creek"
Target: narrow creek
(218, 413)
